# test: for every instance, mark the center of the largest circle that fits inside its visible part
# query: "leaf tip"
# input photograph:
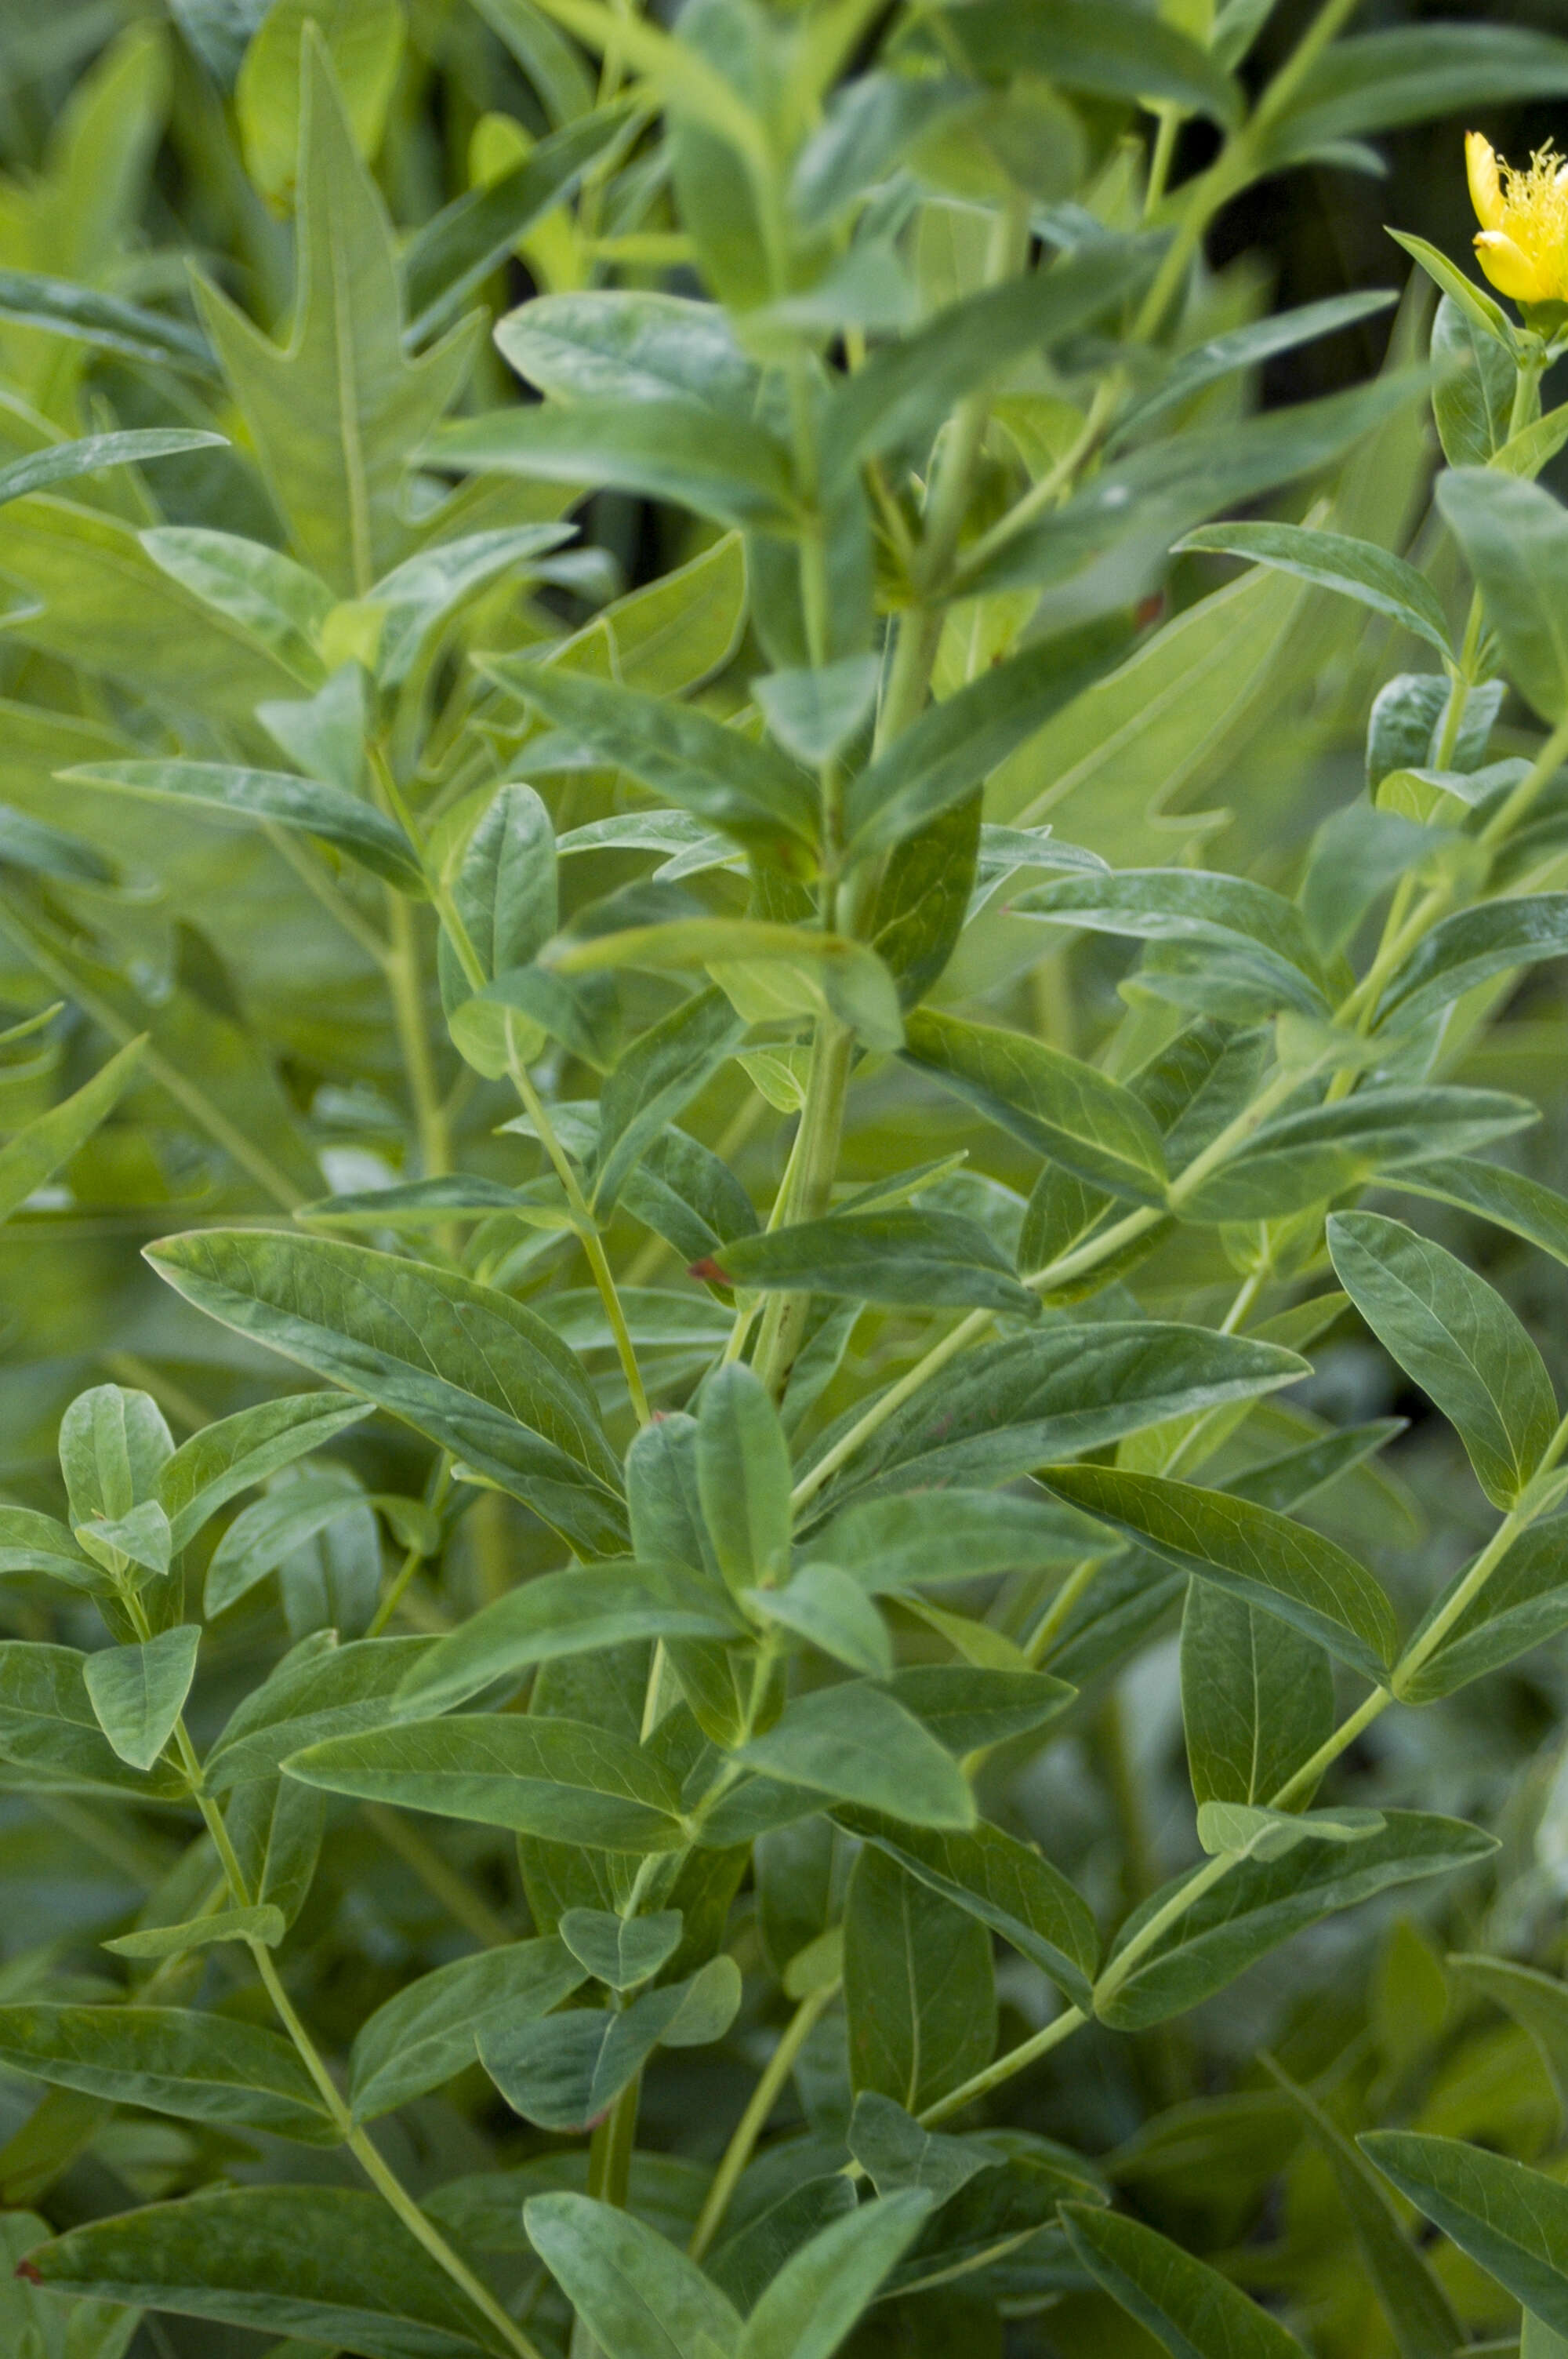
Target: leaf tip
(30, 2271)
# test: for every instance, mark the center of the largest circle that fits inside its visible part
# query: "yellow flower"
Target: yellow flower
(1523, 240)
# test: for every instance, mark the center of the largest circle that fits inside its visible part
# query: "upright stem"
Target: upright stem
(755, 2120)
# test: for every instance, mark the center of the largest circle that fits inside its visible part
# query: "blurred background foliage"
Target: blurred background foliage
(118, 159)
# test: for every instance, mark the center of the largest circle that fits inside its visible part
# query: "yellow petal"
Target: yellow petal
(1485, 188)
(1511, 273)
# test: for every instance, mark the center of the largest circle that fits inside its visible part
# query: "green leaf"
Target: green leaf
(1537, 2002)
(1456, 1337)
(1514, 536)
(1332, 560)
(269, 797)
(555, 1778)
(420, 597)
(1056, 1104)
(1472, 401)
(265, 1924)
(955, 746)
(1238, 1830)
(275, 600)
(810, 2306)
(1507, 1198)
(1414, 2303)
(106, 323)
(682, 755)
(30, 1542)
(1378, 81)
(50, 1740)
(1007, 1408)
(451, 256)
(1007, 1885)
(621, 1951)
(1523, 1604)
(113, 1446)
(1097, 552)
(1511, 2220)
(328, 2264)
(1105, 53)
(856, 1744)
(813, 714)
(468, 1366)
(631, 347)
(970, 1707)
(1189, 2308)
(271, 1529)
(1258, 931)
(1260, 1557)
(228, 1457)
(743, 1478)
(426, 2034)
(37, 1150)
(634, 2293)
(1256, 1697)
(668, 449)
(1242, 348)
(769, 973)
(139, 1692)
(1260, 1903)
(903, 391)
(659, 1075)
(335, 412)
(1301, 1158)
(954, 1534)
(1465, 950)
(921, 1258)
(362, 43)
(320, 1690)
(203, 2068)
(831, 1612)
(571, 1612)
(60, 463)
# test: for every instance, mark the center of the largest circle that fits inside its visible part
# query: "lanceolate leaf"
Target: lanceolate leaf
(199, 2067)
(1333, 561)
(924, 1259)
(1004, 1883)
(1058, 1105)
(1467, 949)
(675, 752)
(555, 1778)
(1459, 1341)
(38, 1149)
(1262, 1559)
(426, 2034)
(1007, 1408)
(1186, 2306)
(1260, 1904)
(270, 797)
(567, 1614)
(470, 1368)
(328, 2264)
(1413, 2301)
(1512, 2220)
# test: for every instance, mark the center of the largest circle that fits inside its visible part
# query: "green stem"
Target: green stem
(406, 985)
(807, 1189)
(755, 2120)
(587, 1230)
(382, 2176)
(1017, 2059)
(611, 2148)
